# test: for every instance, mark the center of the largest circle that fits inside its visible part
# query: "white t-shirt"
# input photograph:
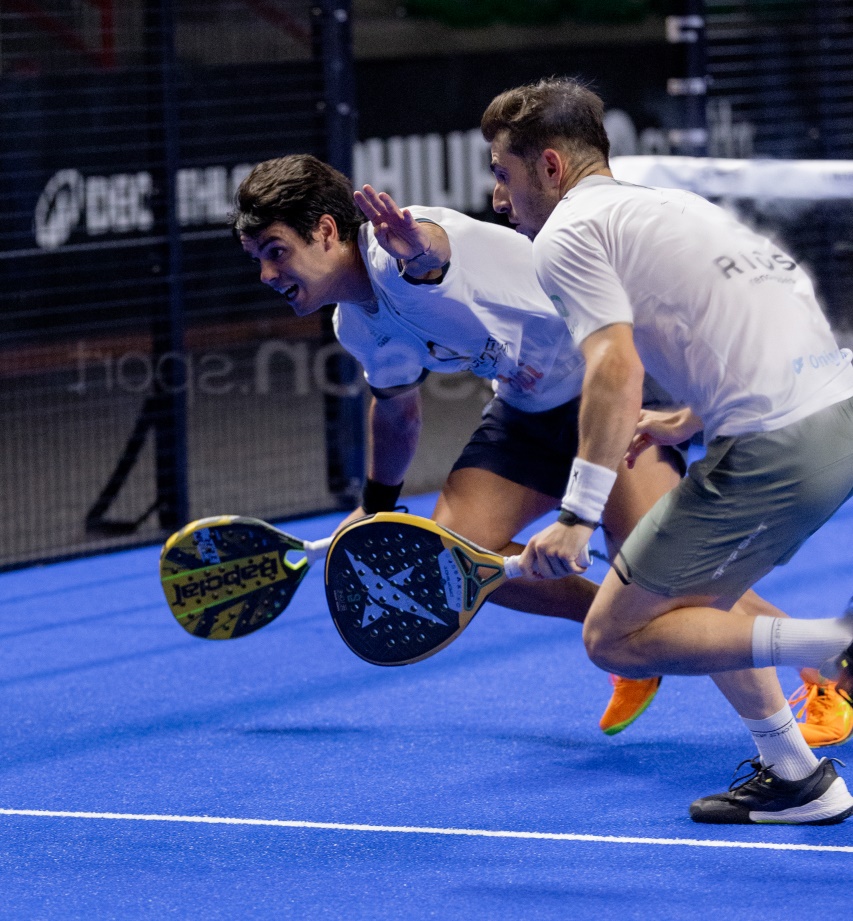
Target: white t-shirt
(723, 319)
(488, 315)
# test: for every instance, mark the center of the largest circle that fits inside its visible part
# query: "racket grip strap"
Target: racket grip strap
(316, 549)
(512, 568)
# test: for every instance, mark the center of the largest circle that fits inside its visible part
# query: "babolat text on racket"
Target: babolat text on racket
(226, 577)
(400, 587)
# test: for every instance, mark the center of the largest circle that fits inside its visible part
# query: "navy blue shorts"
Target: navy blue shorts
(536, 449)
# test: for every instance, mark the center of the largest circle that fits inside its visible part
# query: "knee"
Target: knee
(601, 647)
(612, 652)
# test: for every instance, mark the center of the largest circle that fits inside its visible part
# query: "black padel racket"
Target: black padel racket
(400, 587)
(226, 577)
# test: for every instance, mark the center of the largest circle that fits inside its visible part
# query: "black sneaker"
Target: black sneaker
(763, 797)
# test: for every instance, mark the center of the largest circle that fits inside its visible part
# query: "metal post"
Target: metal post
(334, 30)
(332, 34)
(164, 410)
(688, 81)
(168, 323)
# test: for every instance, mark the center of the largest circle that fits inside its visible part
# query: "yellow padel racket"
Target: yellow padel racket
(400, 587)
(226, 577)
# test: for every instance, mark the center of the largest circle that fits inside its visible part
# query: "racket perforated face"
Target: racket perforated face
(401, 588)
(226, 577)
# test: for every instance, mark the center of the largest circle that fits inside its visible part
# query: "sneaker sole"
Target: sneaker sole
(833, 807)
(613, 730)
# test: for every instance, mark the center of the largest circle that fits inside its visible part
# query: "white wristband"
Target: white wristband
(588, 489)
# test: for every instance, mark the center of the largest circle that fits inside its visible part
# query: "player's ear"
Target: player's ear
(551, 167)
(326, 231)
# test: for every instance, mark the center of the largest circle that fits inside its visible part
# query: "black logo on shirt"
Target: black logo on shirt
(748, 263)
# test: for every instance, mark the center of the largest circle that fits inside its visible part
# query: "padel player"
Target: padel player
(663, 280)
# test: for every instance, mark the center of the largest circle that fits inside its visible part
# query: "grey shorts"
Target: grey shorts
(746, 507)
(537, 449)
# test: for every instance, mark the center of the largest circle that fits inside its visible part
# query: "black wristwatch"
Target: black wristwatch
(570, 519)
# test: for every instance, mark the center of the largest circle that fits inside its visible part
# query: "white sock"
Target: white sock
(797, 642)
(781, 745)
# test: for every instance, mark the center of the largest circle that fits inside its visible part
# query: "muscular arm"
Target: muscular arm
(394, 431)
(610, 406)
(612, 395)
(394, 427)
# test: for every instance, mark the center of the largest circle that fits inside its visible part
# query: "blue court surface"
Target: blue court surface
(150, 774)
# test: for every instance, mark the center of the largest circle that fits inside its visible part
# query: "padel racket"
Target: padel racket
(226, 577)
(400, 587)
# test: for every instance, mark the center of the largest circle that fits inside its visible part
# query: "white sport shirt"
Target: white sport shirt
(488, 315)
(723, 319)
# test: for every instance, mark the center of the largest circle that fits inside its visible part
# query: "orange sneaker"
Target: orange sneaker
(630, 699)
(825, 717)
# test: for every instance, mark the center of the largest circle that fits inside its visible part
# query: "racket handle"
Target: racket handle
(512, 570)
(316, 549)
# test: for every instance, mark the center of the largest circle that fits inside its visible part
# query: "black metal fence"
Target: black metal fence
(147, 376)
(781, 86)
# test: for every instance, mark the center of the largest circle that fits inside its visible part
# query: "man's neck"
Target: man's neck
(583, 171)
(357, 282)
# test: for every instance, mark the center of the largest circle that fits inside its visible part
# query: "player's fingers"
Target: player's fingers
(645, 419)
(652, 426)
(553, 567)
(527, 563)
(391, 208)
(581, 563)
(538, 565)
(366, 206)
(381, 201)
(639, 443)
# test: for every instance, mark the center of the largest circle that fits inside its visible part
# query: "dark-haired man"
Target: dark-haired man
(431, 290)
(662, 280)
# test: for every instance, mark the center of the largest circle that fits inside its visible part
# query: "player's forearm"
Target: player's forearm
(395, 426)
(610, 404)
(607, 423)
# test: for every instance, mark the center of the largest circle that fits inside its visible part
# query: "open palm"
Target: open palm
(397, 232)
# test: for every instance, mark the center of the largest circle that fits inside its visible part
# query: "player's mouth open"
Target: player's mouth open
(291, 292)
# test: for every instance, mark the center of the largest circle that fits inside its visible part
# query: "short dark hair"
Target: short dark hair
(296, 190)
(555, 112)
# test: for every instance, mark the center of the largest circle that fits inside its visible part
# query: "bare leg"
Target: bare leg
(754, 692)
(635, 632)
(653, 635)
(490, 510)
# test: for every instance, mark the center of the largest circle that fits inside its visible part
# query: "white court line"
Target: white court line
(425, 830)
